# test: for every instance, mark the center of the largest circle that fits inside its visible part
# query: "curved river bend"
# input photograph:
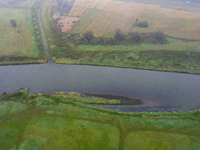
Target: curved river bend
(163, 91)
(160, 91)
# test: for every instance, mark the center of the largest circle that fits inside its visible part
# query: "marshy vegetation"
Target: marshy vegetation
(45, 121)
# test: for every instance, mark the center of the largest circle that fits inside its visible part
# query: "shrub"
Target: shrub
(13, 22)
(159, 37)
(88, 36)
(135, 37)
(119, 36)
(110, 41)
(101, 40)
(142, 24)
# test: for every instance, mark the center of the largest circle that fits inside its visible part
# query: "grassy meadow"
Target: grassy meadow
(40, 121)
(18, 43)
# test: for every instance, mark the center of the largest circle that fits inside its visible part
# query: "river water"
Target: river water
(160, 91)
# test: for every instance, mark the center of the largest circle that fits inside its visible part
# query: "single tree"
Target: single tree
(13, 22)
(88, 36)
(119, 36)
(159, 37)
(142, 24)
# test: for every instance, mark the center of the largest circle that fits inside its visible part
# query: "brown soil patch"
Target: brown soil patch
(66, 23)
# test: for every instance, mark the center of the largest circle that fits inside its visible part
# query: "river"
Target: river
(159, 90)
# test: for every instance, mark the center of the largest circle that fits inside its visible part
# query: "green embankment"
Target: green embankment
(60, 121)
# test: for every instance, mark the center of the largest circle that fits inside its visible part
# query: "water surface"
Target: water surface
(171, 91)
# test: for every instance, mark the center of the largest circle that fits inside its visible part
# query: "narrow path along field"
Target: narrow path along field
(43, 36)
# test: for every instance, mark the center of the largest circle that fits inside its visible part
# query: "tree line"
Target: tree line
(133, 37)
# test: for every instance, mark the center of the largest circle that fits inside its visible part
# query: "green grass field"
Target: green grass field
(172, 44)
(13, 42)
(18, 43)
(41, 121)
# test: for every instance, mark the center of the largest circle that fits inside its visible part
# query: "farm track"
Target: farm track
(43, 35)
(96, 16)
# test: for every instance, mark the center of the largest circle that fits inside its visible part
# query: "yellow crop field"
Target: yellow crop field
(125, 24)
(101, 23)
(83, 3)
(14, 40)
(115, 6)
(174, 23)
(85, 20)
(77, 11)
(100, 4)
(125, 20)
(80, 6)
(122, 15)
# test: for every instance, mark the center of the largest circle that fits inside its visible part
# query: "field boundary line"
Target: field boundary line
(109, 26)
(113, 20)
(96, 17)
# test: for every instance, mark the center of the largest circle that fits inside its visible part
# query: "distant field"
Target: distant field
(80, 6)
(26, 3)
(77, 11)
(100, 4)
(123, 14)
(85, 20)
(101, 23)
(16, 40)
(178, 52)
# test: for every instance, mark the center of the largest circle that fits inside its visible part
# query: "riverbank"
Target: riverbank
(42, 121)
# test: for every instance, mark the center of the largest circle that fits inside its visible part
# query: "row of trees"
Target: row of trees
(134, 37)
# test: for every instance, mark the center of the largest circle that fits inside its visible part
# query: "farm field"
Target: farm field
(18, 42)
(101, 23)
(174, 23)
(179, 51)
(85, 20)
(13, 42)
(42, 121)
